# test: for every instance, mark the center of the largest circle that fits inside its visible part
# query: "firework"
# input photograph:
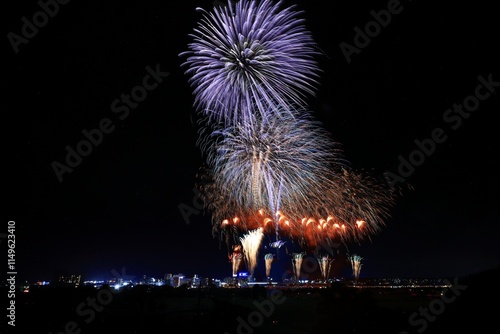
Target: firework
(325, 263)
(251, 243)
(277, 244)
(236, 261)
(248, 56)
(289, 177)
(268, 164)
(269, 258)
(235, 258)
(365, 199)
(356, 266)
(350, 209)
(297, 263)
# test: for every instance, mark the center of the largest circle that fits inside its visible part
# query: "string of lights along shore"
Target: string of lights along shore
(270, 168)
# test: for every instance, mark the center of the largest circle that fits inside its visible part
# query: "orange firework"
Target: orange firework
(353, 207)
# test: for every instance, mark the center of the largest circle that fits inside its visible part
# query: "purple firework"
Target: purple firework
(250, 56)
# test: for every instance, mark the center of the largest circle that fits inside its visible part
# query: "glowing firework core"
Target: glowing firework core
(251, 243)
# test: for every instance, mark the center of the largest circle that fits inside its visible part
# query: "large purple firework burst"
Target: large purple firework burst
(249, 56)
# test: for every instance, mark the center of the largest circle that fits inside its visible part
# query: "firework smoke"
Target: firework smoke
(248, 56)
(251, 243)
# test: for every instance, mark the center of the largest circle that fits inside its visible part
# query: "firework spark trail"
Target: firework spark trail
(297, 263)
(236, 257)
(269, 258)
(251, 243)
(356, 266)
(274, 204)
(325, 263)
(236, 260)
(248, 56)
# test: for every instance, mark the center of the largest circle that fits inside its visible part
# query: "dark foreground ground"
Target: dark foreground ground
(472, 303)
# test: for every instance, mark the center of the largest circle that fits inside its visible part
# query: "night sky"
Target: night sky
(119, 207)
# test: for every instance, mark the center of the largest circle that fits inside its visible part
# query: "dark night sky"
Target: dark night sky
(120, 207)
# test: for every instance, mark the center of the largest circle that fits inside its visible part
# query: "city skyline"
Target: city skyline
(121, 279)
